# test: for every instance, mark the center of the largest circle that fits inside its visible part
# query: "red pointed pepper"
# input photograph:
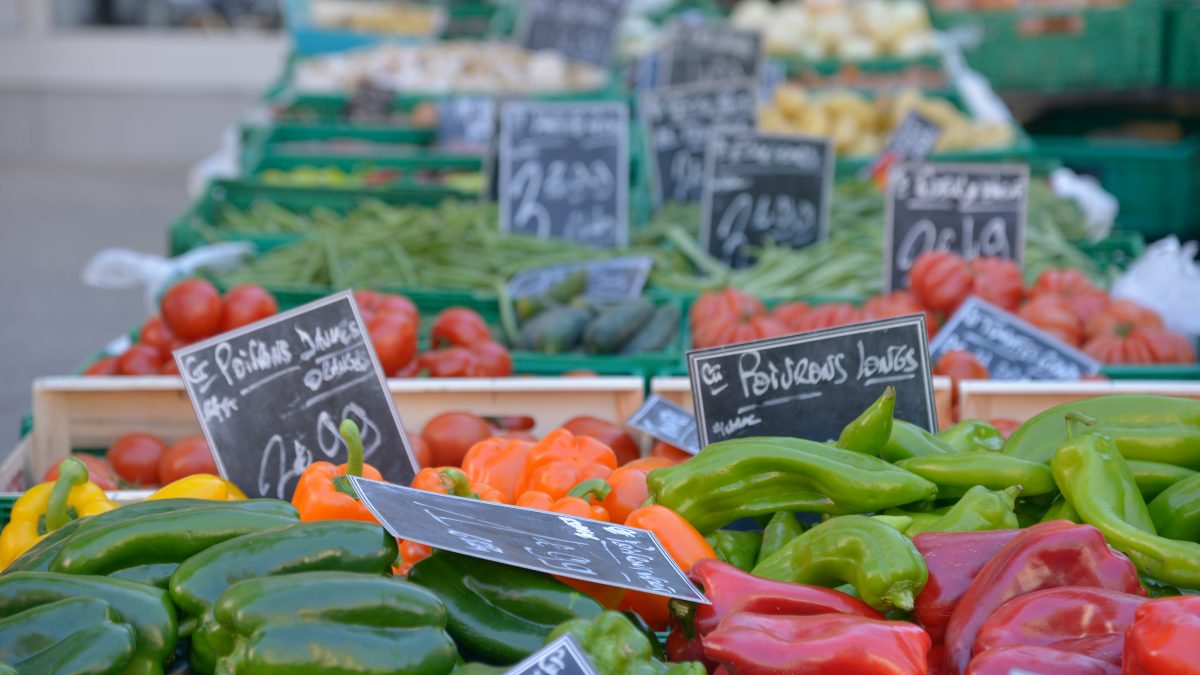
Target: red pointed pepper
(953, 559)
(1164, 638)
(1032, 659)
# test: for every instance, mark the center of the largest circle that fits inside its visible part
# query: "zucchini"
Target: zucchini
(554, 331)
(657, 333)
(558, 294)
(616, 325)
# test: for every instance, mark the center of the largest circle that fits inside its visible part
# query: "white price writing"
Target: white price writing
(990, 240)
(780, 217)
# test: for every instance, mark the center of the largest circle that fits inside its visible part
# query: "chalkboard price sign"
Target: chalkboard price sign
(811, 384)
(667, 422)
(972, 209)
(466, 123)
(677, 122)
(369, 102)
(581, 30)
(564, 656)
(911, 141)
(564, 171)
(1009, 347)
(554, 543)
(612, 280)
(270, 397)
(710, 52)
(760, 188)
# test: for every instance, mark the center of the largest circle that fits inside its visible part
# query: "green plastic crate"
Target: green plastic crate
(1183, 44)
(1054, 49)
(402, 144)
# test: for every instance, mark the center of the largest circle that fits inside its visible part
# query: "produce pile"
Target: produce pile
(849, 31)
(365, 176)
(942, 552)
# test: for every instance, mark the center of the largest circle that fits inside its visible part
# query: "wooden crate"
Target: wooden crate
(71, 413)
(679, 391)
(991, 399)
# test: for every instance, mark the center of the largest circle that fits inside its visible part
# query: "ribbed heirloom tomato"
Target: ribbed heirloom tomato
(828, 316)
(940, 280)
(458, 326)
(1073, 287)
(1053, 315)
(790, 314)
(730, 316)
(998, 281)
(899, 303)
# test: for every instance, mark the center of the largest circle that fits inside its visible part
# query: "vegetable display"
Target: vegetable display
(851, 32)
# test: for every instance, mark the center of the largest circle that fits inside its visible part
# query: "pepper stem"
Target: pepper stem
(592, 489)
(456, 483)
(1075, 417)
(354, 458)
(685, 613)
(71, 473)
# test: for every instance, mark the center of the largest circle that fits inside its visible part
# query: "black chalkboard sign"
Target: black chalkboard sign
(911, 141)
(466, 123)
(564, 171)
(369, 102)
(612, 280)
(564, 656)
(1008, 346)
(581, 30)
(972, 209)
(270, 397)
(667, 422)
(554, 543)
(677, 122)
(811, 384)
(762, 188)
(709, 52)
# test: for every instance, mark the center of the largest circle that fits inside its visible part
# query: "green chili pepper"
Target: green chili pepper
(900, 523)
(973, 436)
(782, 528)
(882, 564)
(1151, 428)
(103, 649)
(1176, 512)
(979, 509)
(739, 549)
(869, 432)
(1154, 477)
(747, 477)
(614, 645)
(909, 440)
(955, 473)
(1061, 509)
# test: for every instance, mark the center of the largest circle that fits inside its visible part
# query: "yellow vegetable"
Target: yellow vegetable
(200, 486)
(48, 506)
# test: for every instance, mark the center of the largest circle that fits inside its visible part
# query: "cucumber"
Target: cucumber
(616, 325)
(558, 294)
(656, 333)
(554, 331)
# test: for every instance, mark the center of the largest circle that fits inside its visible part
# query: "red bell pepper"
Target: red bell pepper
(821, 644)
(1038, 660)
(1073, 618)
(953, 559)
(1046, 555)
(1164, 638)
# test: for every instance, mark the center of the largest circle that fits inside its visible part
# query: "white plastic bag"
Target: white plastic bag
(1166, 278)
(1099, 207)
(123, 268)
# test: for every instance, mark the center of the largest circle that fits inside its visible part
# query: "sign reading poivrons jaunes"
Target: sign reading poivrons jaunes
(971, 209)
(564, 171)
(270, 397)
(811, 384)
(764, 188)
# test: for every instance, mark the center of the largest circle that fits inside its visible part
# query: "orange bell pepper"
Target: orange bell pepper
(561, 460)
(449, 480)
(682, 542)
(629, 486)
(323, 491)
(411, 553)
(497, 462)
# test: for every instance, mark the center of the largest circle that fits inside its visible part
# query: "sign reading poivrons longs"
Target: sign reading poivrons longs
(1009, 347)
(553, 543)
(564, 656)
(710, 52)
(677, 122)
(564, 171)
(763, 188)
(581, 30)
(270, 397)
(971, 209)
(667, 422)
(811, 384)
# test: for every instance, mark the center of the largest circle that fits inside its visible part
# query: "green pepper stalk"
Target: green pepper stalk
(592, 489)
(456, 483)
(354, 460)
(71, 473)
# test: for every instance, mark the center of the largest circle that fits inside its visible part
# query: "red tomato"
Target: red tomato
(731, 316)
(169, 367)
(828, 316)
(1133, 347)
(1053, 315)
(491, 359)
(940, 280)
(100, 471)
(192, 309)
(135, 458)
(189, 455)
(394, 337)
(102, 366)
(1088, 303)
(960, 364)
(458, 327)
(397, 304)
(140, 359)
(156, 334)
(622, 444)
(451, 434)
(245, 304)
(1120, 318)
(410, 369)
(668, 451)
(790, 313)
(1064, 282)
(998, 281)
(452, 362)
(421, 451)
(899, 303)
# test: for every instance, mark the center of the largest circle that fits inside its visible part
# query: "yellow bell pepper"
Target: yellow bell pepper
(48, 506)
(200, 486)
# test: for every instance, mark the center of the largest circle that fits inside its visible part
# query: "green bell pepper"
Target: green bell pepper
(782, 528)
(739, 549)
(614, 645)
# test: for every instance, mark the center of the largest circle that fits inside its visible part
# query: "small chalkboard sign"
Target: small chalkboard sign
(762, 188)
(971, 209)
(667, 422)
(911, 141)
(564, 171)
(612, 280)
(677, 122)
(1009, 347)
(466, 123)
(710, 52)
(581, 30)
(369, 101)
(554, 543)
(564, 656)
(811, 384)
(270, 397)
